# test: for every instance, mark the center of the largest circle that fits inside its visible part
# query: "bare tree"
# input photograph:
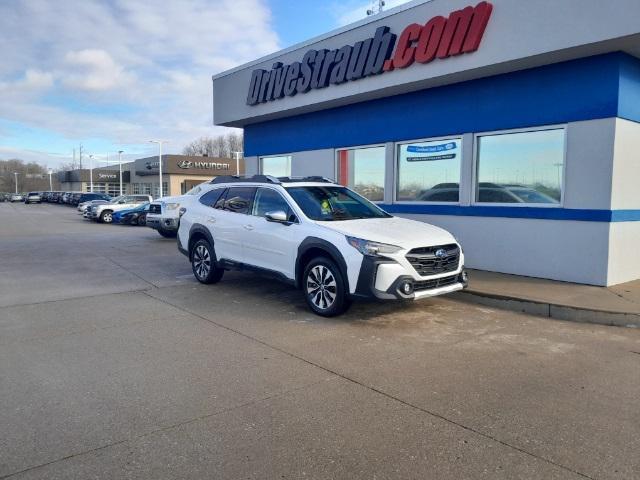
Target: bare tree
(31, 176)
(221, 146)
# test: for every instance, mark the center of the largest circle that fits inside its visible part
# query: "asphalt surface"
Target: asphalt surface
(115, 363)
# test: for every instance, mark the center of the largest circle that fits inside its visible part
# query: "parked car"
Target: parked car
(164, 215)
(322, 237)
(487, 192)
(16, 197)
(33, 197)
(85, 198)
(84, 207)
(133, 216)
(103, 213)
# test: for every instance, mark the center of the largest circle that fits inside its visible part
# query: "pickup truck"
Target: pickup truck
(164, 213)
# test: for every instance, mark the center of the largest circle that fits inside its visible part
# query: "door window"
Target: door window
(210, 198)
(239, 199)
(268, 200)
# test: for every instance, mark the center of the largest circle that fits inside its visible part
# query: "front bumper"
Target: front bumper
(160, 223)
(385, 279)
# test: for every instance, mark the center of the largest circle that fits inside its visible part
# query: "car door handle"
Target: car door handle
(211, 220)
(248, 227)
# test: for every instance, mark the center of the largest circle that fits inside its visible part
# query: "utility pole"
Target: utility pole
(15, 174)
(80, 156)
(50, 182)
(236, 155)
(160, 142)
(120, 152)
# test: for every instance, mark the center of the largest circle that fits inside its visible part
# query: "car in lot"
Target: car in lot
(319, 236)
(164, 214)
(134, 216)
(103, 213)
(16, 197)
(86, 198)
(33, 197)
(487, 192)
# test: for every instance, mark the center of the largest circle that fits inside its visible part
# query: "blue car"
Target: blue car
(132, 216)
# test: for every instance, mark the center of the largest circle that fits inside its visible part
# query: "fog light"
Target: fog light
(465, 277)
(406, 288)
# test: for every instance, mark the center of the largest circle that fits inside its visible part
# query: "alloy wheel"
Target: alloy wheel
(321, 287)
(201, 261)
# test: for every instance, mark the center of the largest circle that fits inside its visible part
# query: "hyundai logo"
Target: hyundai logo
(185, 164)
(441, 253)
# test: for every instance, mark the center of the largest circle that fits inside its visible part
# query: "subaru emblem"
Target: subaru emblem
(441, 253)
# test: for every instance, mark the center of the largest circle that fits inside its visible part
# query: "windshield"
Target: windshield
(332, 203)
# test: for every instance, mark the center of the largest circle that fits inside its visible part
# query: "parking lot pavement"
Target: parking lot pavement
(115, 363)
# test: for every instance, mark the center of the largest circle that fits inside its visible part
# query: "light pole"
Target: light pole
(120, 152)
(237, 157)
(159, 142)
(50, 183)
(91, 173)
(15, 174)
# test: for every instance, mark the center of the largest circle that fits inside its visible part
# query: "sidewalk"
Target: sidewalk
(618, 305)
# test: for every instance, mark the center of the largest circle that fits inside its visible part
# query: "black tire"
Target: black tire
(167, 233)
(324, 288)
(106, 217)
(203, 263)
(142, 220)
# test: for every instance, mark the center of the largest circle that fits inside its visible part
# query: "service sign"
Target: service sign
(439, 38)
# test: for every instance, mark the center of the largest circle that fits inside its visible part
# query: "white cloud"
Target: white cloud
(93, 69)
(123, 70)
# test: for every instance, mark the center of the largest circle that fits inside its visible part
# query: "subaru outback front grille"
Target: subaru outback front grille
(434, 260)
(435, 283)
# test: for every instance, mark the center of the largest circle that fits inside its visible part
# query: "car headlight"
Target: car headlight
(367, 247)
(171, 206)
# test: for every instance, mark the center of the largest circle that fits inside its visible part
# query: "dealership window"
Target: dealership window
(520, 167)
(362, 169)
(277, 166)
(429, 171)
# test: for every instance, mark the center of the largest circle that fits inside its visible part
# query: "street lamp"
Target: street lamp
(15, 174)
(50, 172)
(120, 152)
(91, 173)
(236, 155)
(159, 142)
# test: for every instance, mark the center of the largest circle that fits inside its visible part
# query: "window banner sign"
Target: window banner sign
(431, 153)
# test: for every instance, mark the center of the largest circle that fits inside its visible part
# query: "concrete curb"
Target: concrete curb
(550, 310)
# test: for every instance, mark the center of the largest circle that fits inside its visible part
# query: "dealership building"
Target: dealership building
(179, 174)
(515, 125)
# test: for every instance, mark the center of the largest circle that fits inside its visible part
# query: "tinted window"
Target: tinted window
(210, 198)
(528, 165)
(496, 196)
(427, 166)
(239, 199)
(362, 169)
(439, 196)
(268, 200)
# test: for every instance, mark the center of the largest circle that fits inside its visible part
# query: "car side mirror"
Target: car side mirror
(277, 217)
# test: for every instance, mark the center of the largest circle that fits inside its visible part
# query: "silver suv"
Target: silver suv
(104, 213)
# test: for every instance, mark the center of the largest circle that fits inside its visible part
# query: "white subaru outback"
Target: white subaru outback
(321, 237)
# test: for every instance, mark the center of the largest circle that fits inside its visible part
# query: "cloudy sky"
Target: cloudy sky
(112, 74)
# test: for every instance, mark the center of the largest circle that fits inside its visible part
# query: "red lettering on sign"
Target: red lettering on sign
(430, 39)
(405, 50)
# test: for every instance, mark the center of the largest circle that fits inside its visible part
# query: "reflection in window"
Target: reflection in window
(521, 167)
(362, 170)
(279, 166)
(429, 171)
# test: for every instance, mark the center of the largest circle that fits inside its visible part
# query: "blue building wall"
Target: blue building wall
(595, 87)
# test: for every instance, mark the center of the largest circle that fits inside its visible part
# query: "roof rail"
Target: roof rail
(310, 178)
(245, 179)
